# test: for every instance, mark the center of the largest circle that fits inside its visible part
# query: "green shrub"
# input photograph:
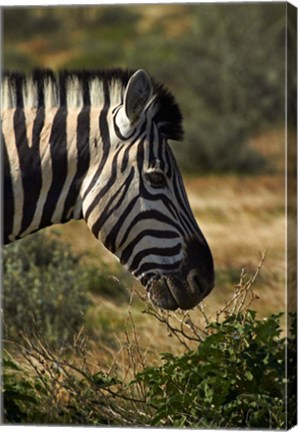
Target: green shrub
(235, 379)
(234, 87)
(47, 287)
(21, 393)
(104, 283)
(291, 356)
(43, 290)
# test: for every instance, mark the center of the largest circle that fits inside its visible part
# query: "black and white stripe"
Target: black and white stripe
(94, 145)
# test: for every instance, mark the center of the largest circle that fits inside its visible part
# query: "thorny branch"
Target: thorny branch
(244, 294)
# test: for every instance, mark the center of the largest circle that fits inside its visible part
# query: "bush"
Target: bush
(43, 289)
(47, 287)
(21, 393)
(224, 150)
(105, 284)
(235, 379)
(234, 87)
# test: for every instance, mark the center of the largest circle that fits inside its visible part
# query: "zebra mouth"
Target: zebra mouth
(172, 292)
(186, 287)
(160, 294)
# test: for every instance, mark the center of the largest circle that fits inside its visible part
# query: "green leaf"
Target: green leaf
(248, 375)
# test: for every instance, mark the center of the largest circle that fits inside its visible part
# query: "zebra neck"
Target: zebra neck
(45, 161)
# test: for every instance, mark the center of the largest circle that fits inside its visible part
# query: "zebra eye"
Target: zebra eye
(156, 179)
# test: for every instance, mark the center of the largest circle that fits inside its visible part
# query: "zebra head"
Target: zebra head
(147, 221)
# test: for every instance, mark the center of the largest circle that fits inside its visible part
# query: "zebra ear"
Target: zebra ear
(138, 92)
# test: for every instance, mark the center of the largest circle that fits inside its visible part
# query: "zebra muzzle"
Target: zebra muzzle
(188, 287)
(173, 291)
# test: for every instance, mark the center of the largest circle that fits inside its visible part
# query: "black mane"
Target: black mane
(168, 116)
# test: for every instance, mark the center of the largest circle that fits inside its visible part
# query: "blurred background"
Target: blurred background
(225, 64)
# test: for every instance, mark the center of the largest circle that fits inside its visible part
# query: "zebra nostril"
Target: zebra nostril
(193, 280)
(196, 280)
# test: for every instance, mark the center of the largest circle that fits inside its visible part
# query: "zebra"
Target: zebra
(94, 145)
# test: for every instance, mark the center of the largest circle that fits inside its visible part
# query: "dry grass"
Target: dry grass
(240, 218)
